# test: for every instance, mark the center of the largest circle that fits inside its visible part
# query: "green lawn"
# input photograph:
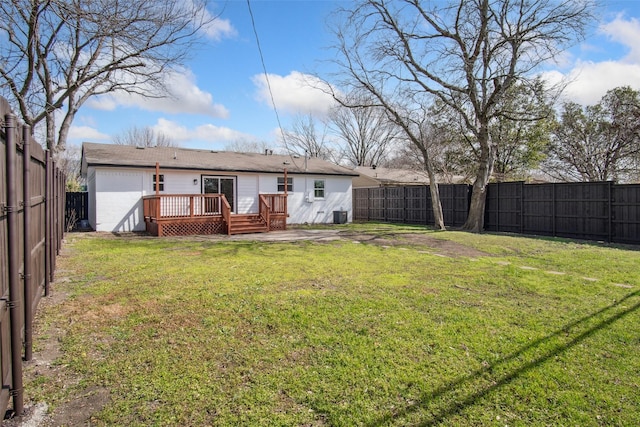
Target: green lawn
(195, 332)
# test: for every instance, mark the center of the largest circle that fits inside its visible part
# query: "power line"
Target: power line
(264, 69)
(273, 102)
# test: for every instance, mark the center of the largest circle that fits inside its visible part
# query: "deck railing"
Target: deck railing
(264, 209)
(226, 212)
(277, 203)
(164, 206)
(178, 208)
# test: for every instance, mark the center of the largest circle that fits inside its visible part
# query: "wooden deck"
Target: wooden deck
(191, 214)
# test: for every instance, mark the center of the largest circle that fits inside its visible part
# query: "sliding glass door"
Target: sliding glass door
(220, 185)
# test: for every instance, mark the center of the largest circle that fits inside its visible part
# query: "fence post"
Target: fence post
(26, 269)
(385, 195)
(47, 222)
(404, 204)
(497, 187)
(610, 213)
(368, 204)
(553, 209)
(13, 246)
(522, 189)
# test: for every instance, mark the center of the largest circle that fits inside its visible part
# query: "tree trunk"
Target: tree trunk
(475, 218)
(65, 127)
(51, 132)
(436, 205)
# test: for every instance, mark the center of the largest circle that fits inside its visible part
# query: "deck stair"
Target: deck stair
(247, 223)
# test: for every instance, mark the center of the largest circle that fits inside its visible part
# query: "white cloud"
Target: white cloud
(626, 33)
(219, 29)
(183, 97)
(588, 81)
(215, 28)
(86, 133)
(206, 132)
(295, 93)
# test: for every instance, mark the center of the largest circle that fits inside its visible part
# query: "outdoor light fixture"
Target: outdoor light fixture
(195, 181)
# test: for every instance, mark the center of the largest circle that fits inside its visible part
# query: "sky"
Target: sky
(220, 96)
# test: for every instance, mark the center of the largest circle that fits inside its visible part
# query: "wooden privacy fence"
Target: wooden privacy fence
(76, 208)
(31, 229)
(411, 204)
(586, 210)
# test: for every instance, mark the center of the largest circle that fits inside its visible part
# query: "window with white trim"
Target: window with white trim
(318, 188)
(160, 182)
(281, 184)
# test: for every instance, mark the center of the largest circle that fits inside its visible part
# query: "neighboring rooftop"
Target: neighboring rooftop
(380, 177)
(185, 158)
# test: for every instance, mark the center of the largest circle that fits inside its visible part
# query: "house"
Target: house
(136, 189)
(372, 176)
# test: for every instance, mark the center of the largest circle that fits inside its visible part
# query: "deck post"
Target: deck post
(157, 183)
(286, 214)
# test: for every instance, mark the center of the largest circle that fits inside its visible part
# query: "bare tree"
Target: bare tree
(247, 146)
(364, 128)
(467, 54)
(424, 136)
(56, 54)
(143, 137)
(308, 136)
(69, 162)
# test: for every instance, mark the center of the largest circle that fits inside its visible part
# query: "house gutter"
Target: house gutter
(205, 169)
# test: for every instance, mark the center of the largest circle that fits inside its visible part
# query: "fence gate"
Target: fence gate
(76, 209)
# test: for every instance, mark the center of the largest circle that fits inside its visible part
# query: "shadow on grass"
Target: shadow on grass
(572, 334)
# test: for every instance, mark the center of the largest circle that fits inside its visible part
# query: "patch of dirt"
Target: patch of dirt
(438, 246)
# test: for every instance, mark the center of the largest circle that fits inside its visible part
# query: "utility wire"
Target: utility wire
(266, 75)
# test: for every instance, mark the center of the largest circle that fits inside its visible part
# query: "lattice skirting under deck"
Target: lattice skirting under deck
(278, 223)
(186, 228)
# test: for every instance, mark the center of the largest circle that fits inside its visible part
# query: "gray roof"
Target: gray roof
(373, 177)
(222, 161)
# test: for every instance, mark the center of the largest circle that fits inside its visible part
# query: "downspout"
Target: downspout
(13, 255)
(26, 269)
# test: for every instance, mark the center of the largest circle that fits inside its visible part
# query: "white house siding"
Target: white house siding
(118, 199)
(91, 189)
(305, 208)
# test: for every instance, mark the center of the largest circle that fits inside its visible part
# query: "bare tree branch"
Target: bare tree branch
(143, 137)
(56, 54)
(466, 54)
